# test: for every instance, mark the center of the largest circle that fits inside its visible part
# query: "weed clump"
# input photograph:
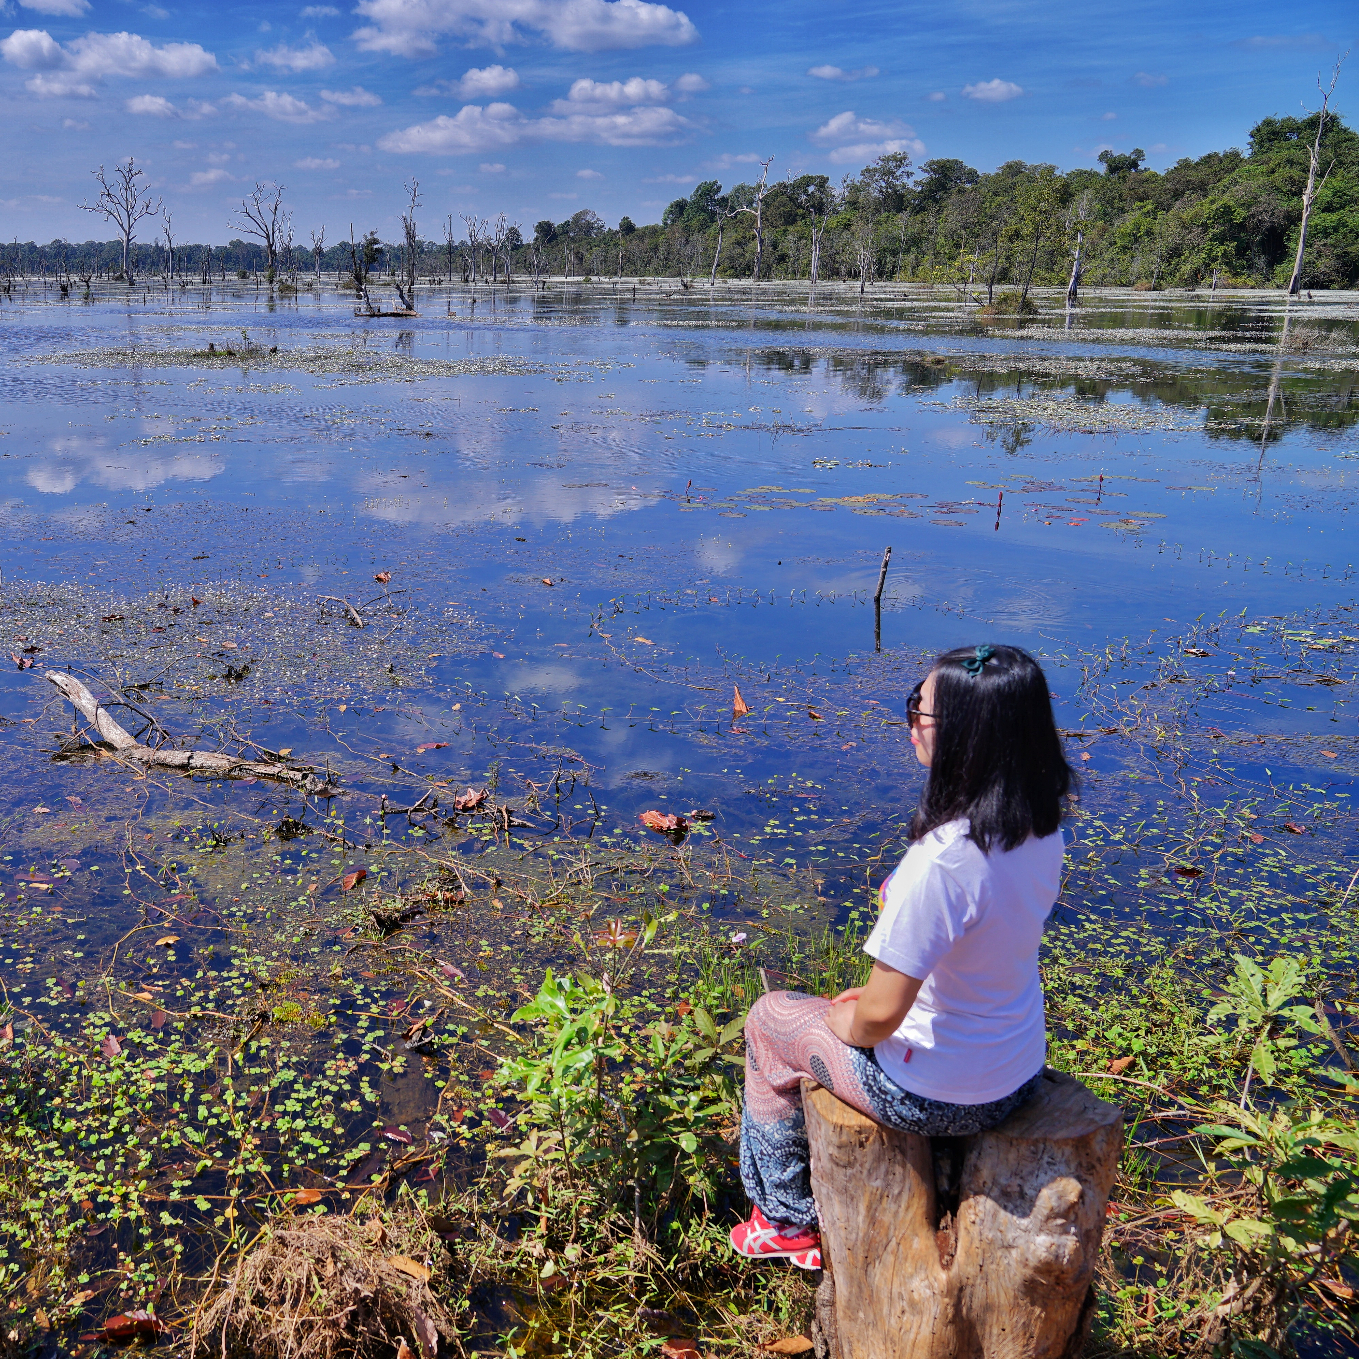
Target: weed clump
(325, 1285)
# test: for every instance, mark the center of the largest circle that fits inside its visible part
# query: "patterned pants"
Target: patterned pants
(787, 1039)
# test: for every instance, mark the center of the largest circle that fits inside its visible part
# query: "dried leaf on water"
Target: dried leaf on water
(166, 940)
(665, 822)
(130, 1325)
(645, 641)
(1295, 828)
(408, 1266)
(452, 972)
(498, 1117)
(1330, 754)
(1256, 838)
(397, 1135)
(470, 800)
(1188, 871)
(110, 1047)
(814, 715)
(1119, 1065)
(680, 1347)
(351, 880)
(430, 745)
(382, 577)
(738, 704)
(304, 1197)
(157, 1020)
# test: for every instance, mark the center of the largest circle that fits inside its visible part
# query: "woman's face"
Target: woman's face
(923, 728)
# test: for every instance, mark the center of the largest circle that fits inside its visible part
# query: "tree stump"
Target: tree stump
(961, 1247)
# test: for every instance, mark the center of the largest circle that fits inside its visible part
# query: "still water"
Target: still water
(602, 513)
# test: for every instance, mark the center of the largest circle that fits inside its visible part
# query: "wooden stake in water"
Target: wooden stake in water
(877, 601)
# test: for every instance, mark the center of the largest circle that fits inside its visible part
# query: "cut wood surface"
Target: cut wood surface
(194, 761)
(962, 1248)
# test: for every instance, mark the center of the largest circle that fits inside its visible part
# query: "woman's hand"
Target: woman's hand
(853, 993)
(864, 1015)
(840, 1016)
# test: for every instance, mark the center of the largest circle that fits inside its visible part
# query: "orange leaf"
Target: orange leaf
(110, 1047)
(1295, 828)
(665, 822)
(814, 715)
(166, 940)
(794, 1344)
(1085, 754)
(645, 641)
(1330, 754)
(1256, 838)
(408, 1266)
(307, 1196)
(1119, 1065)
(680, 1347)
(1188, 871)
(430, 745)
(383, 577)
(470, 800)
(352, 880)
(738, 704)
(546, 581)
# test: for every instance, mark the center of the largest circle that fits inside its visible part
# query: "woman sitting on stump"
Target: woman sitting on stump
(947, 1038)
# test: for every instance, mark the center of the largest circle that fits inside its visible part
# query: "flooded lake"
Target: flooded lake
(575, 525)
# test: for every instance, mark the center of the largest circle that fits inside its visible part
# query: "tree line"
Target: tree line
(1283, 210)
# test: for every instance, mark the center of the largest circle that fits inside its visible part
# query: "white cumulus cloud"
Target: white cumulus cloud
(835, 73)
(691, 83)
(486, 82)
(157, 106)
(598, 95)
(283, 108)
(855, 140)
(993, 91)
(77, 67)
(315, 56)
(492, 167)
(1148, 80)
(588, 174)
(153, 105)
(356, 98)
(320, 12)
(66, 9)
(316, 163)
(411, 28)
(201, 179)
(498, 126)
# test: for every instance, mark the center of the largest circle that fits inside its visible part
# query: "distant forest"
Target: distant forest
(1230, 216)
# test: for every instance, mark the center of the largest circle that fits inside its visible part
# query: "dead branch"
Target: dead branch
(198, 761)
(354, 616)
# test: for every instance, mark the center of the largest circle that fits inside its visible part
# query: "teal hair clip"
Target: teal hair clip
(973, 664)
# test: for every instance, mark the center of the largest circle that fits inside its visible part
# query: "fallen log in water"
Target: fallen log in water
(192, 761)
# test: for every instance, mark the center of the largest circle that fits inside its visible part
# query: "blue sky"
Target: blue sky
(541, 107)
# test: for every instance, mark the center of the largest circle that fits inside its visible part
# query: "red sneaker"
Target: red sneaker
(759, 1239)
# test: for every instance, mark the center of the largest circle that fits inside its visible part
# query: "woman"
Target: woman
(947, 1037)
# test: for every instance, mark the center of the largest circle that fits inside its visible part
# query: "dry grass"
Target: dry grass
(326, 1286)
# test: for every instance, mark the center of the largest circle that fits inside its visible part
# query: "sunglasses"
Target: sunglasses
(913, 710)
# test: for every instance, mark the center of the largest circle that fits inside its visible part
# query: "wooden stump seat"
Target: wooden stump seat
(961, 1248)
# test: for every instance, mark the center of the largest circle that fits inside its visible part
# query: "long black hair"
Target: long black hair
(998, 759)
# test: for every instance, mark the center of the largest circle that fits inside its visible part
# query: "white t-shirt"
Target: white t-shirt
(969, 924)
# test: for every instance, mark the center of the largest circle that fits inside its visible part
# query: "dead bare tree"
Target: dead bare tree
(722, 214)
(263, 216)
(1081, 213)
(404, 278)
(361, 256)
(476, 234)
(450, 244)
(318, 249)
(169, 246)
(756, 210)
(124, 200)
(1313, 184)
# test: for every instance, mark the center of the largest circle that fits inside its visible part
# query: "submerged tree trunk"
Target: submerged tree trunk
(1073, 287)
